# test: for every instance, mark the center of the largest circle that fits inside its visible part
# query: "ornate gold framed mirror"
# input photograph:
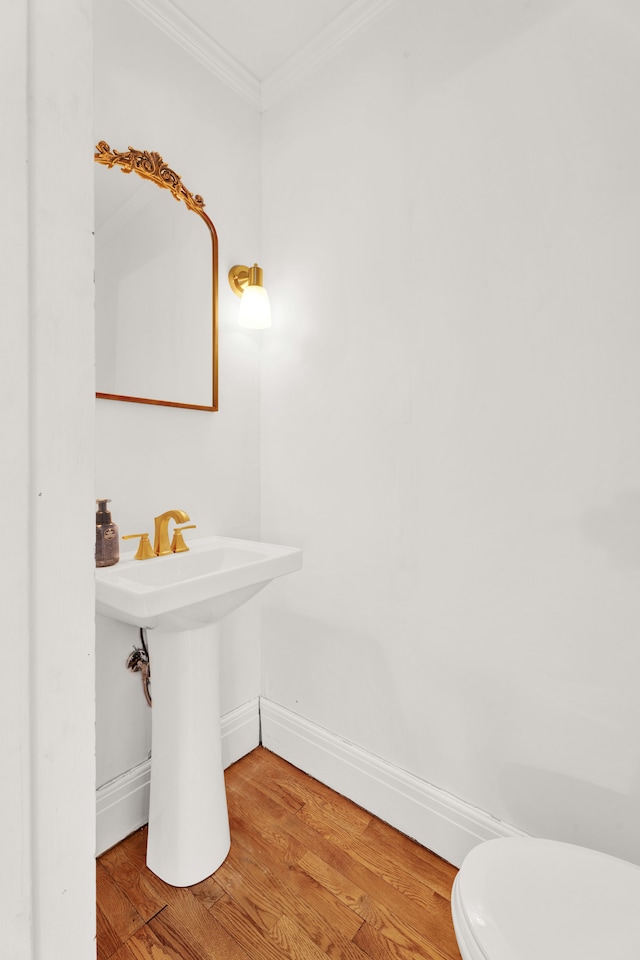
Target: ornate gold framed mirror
(156, 285)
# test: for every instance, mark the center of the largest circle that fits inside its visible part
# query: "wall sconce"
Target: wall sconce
(246, 282)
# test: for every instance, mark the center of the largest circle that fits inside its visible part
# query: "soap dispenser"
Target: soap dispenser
(107, 542)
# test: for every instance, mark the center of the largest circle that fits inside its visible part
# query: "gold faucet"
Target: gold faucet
(161, 546)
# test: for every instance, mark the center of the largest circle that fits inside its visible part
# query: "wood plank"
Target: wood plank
(377, 947)
(118, 918)
(285, 943)
(430, 915)
(266, 896)
(129, 877)
(253, 813)
(296, 886)
(397, 918)
(194, 933)
(306, 790)
(422, 863)
(107, 941)
(208, 892)
(295, 941)
(250, 886)
(134, 846)
(253, 795)
(249, 820)
(391, 867)
(244, 931)
(278, 781)
(332, 822)
(144, 945)
(316, 800)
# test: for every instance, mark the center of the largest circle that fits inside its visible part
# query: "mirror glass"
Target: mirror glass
(156, 285)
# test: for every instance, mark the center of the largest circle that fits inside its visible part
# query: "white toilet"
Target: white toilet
(521, 898)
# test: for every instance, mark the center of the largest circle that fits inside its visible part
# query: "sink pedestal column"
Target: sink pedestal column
(188, 820)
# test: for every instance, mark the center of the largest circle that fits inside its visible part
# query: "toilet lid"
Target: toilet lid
(530, 899)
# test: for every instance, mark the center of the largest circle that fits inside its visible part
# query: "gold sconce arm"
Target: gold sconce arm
(240, 277)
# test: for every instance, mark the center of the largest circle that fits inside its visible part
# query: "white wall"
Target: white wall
(450, 405)
(47, 900)
(150, 94)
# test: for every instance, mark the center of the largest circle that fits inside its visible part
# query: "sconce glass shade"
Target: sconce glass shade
(255, 309)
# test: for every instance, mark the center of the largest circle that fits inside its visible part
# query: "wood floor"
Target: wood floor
(310, 876)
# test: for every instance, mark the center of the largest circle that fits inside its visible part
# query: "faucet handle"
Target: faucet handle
(177, 544)
(145, 550)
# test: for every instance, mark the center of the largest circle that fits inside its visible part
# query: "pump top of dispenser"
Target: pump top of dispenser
(103, 515)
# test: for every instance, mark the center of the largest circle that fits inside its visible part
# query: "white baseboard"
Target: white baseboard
(436, 819)
(240, 732)
(122, 805)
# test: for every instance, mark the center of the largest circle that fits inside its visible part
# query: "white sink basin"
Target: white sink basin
(181, 598)
(184, 590)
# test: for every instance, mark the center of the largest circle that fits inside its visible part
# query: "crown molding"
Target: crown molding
(183, 31)
(187, 34)
(324, 46)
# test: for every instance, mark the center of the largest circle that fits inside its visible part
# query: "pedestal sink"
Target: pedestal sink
(181, 599)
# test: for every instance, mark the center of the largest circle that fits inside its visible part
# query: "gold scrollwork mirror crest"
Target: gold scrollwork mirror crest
(189, 340)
